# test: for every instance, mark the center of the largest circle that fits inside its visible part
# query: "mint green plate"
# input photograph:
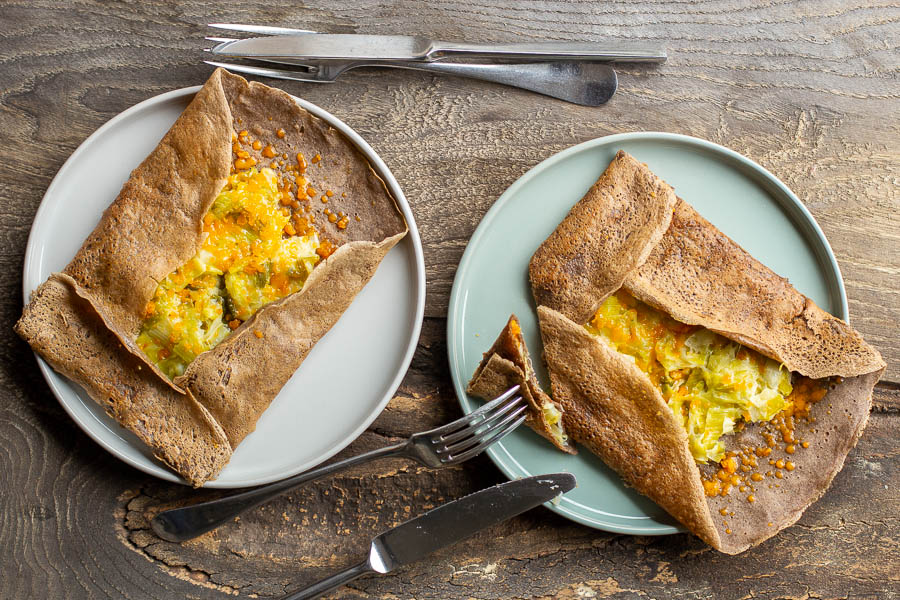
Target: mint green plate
(741, 198)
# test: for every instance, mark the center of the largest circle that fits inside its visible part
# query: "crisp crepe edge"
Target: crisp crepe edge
(573, 275)
(281, 336)
(740, 541)
(667, 465)
(570, 388)
(490, 376)
(122, 398)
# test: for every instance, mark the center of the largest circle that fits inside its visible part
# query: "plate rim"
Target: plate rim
(789, 202)
(156, 468)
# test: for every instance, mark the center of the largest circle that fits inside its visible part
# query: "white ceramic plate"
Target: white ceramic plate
(344, 383)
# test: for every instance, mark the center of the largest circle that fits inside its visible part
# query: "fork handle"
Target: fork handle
(335, 581)
(586, 83)
(187, 522)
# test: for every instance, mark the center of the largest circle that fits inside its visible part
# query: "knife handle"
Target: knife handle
(545, 51)
(330, 583)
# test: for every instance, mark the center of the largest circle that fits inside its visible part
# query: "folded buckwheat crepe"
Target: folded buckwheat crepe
(704, 379)
(229, 252)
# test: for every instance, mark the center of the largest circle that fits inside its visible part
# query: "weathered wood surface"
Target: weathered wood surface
(807, 89)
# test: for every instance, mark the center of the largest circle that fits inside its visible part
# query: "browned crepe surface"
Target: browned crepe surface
(604, 237)
(65, 329)
(839, 421)
(506, 364)
(154, 226)
(699, 276)
(280, 336)
(359, 192)
(612, 408)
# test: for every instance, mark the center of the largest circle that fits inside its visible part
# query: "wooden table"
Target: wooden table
(807, 89)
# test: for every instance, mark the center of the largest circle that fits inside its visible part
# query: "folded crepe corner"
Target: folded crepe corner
(507, 363)
(674, 260)
(64, 327)
(612, 408)
(585, 259)
(228, 380)
(700, 276)
(84, 321)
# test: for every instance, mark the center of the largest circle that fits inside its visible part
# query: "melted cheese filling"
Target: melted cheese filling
(708, 381)
(250, 256)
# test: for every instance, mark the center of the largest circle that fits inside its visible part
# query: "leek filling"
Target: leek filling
(553, 418)
(710, 382)
(246, 261)
(552, 415)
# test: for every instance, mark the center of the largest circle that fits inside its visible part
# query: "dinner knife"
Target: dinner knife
(344, 46)
(446, 525)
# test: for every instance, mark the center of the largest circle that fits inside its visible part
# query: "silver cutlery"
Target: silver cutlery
(446, 525)
(568, 71)
(448, 445)
(299, 45)
(588, 84)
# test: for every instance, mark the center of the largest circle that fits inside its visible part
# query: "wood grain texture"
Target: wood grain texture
(807, 89)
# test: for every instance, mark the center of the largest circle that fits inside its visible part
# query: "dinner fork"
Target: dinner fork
(444, 446)
(585, 83)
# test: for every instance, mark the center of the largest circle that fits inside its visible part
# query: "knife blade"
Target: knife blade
(457, 520)
(446, 525)
(346, 46)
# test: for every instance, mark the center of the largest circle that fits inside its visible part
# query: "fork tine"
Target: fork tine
(470, 430)
(266, 71)
(482, 435)
(219, 40)
(465, 420)
(496, 437)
